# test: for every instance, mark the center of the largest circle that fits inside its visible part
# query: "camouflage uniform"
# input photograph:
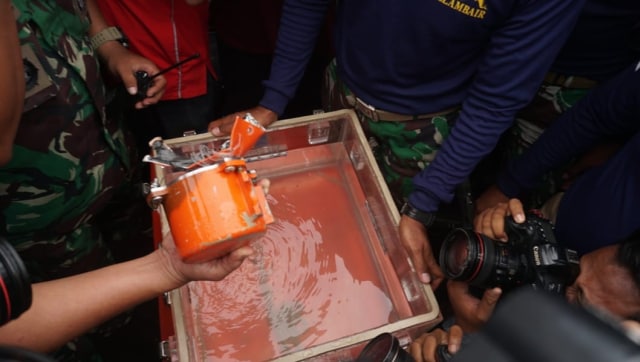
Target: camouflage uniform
(69, 159)
(552, 99)
(402, 149)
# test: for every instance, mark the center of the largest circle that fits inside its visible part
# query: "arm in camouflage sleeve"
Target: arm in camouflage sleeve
(12, 78)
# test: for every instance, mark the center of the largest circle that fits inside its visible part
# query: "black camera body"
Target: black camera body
(15, 298)
(531, 256)
(15, 295)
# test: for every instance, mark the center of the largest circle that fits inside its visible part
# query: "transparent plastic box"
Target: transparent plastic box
(330, 273)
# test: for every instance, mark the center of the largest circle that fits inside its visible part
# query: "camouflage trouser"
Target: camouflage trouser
(549, 103)
(402, 149)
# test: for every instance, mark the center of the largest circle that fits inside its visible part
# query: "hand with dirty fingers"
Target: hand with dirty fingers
(223, 126)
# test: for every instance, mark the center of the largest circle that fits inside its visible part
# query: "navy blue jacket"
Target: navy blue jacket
(605, 40)
(600, 207)
(422, 56)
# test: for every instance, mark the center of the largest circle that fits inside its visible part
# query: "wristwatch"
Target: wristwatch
(108, 34)
(425, 218)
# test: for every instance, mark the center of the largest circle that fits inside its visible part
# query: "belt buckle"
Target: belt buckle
(368, 110)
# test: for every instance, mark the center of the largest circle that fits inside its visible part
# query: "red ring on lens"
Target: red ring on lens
(480, 258)
(7, 298)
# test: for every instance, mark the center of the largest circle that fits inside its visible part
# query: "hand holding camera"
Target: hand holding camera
(530, 256)
(507, 254)
(472, 306)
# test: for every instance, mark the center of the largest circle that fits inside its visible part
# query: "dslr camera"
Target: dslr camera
(15, 284)
(531, 256)
(15, 299)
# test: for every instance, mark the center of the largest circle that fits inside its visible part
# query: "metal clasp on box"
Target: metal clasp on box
(318, 132)
(168, 349)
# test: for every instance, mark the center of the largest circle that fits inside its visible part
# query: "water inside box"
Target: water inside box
(328, 275)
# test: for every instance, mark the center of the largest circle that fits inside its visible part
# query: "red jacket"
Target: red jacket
(166, 32)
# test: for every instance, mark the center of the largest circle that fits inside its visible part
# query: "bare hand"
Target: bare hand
(214, 270)
(490, 198)
(470, 312)
(423, 348)
(222, 126)
(125, 64)
(217, 269)
(413, 236)
(490, 222)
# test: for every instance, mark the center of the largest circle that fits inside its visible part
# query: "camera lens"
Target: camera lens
(482, 262)
(457, 256)
(384, 348)
(466, 255)
(15, 286)
(531, 256)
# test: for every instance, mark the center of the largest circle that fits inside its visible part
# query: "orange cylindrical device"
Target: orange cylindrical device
(214, 209)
